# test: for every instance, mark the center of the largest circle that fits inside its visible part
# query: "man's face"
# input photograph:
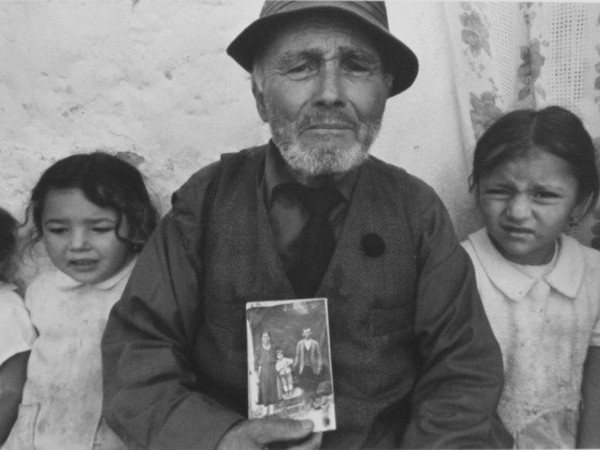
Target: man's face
(321, 87)
(306, 333)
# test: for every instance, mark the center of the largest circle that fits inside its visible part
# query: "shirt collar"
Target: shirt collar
(567, 274)
(65, 282)
(8, 286)
(565, 277)
(277, 174)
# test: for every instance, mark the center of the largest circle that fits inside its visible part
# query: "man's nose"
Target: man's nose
(519, 207)
(331, 89)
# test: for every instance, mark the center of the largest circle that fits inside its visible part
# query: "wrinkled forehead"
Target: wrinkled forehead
(323, 33)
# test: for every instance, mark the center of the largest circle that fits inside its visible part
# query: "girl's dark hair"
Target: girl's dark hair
(8, 245)
(552, 129)
(107, 182)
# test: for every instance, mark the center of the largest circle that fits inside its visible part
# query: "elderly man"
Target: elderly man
(413, 358)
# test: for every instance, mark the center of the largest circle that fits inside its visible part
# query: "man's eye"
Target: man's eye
(357, 67)
(300, 70)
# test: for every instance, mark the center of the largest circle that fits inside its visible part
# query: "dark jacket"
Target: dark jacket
(312, 355)
(413, 357)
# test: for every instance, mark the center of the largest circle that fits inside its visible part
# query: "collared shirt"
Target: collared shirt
(544, 325)
(286, 214)
(62, 397)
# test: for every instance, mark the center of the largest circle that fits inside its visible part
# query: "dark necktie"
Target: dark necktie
(316, 243)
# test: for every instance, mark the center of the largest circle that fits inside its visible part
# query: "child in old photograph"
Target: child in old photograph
(534, 175)
(283, 366)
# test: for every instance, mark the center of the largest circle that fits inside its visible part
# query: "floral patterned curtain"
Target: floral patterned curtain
(509, 55)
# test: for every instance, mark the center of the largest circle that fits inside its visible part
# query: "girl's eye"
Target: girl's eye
(546, 195)
(102, 229)
(57, 230)
(497, 192)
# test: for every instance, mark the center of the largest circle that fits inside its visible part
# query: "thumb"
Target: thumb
(273, 430)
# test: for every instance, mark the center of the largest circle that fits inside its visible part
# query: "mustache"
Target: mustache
(333, 119)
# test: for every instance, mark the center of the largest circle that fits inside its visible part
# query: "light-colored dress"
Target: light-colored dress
(16, 332)
(62, 398)
(285, 381)
(544, 322)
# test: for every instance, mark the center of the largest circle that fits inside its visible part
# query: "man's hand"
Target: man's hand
(271, 433)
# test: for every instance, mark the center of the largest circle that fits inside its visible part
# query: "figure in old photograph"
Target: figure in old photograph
(285, 381)
(267, 375)
(308, 361)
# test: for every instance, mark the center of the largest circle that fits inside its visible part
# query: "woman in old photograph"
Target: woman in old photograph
(267, 375)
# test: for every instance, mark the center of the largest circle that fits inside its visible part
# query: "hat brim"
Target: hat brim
(400, 61)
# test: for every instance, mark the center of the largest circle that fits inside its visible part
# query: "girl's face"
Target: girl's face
(81, 238)
(526, 203)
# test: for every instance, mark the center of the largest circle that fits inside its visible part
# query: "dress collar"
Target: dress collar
(565, 277)
(8, 286)
(65, 282)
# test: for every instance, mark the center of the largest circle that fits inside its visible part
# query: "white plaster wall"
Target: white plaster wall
(150, 79)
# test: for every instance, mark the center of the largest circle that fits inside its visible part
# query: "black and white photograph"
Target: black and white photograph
(307, 224)
(289, 364)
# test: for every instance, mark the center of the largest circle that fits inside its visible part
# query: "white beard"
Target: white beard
(325, 157)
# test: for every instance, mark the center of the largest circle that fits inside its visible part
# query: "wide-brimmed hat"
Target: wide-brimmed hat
(400, 60)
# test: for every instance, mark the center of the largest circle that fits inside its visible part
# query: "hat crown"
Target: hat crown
(371, 16)
(373, 11)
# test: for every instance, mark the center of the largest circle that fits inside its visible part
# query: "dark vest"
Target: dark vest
(371, 299)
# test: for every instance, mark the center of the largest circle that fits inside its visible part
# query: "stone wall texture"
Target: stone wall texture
(150, 80)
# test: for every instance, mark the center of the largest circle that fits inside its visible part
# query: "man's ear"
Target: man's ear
(259, 98)
(389, 81)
